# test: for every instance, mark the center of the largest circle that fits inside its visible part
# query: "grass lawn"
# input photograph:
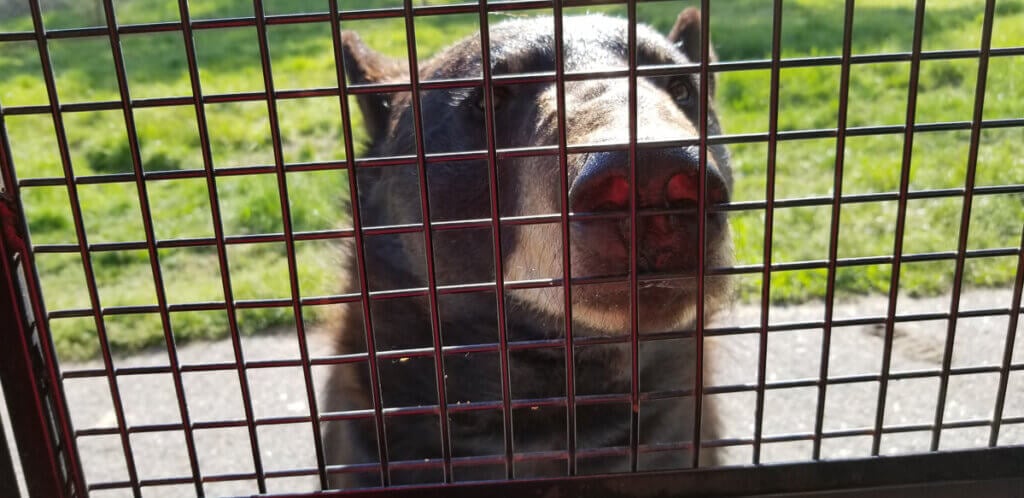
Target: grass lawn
(311, 130)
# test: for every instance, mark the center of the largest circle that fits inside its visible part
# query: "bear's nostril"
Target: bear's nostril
(616, 193)
(610, 194)
(681, 188)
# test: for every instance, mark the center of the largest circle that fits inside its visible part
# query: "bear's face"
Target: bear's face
(598, 179)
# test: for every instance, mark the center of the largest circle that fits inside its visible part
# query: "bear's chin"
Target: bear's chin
(604, 309)
(668, 305)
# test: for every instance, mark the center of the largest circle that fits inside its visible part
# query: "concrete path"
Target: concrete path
(791, 355)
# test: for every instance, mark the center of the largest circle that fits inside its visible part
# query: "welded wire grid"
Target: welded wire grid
(251, 423)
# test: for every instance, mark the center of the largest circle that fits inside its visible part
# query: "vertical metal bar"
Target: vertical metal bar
(499, 270)
(17, 379)
(563, 168)
(147, 224)
(289, 237)
(19, 241)
(833, 244)
(83, 244)
(769, 225)
(8, 481)
(8, 178)
(1011, 334)
(965, 219)
(5, 175)
(702, 179)
(357, 235)
(218, 232)
(428, 242)
(901, 219)
(634, 242)
(38, 447)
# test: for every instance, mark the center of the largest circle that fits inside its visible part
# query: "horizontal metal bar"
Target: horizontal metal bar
(907, 470)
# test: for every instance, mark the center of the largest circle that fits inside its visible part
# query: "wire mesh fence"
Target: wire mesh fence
(534, 253)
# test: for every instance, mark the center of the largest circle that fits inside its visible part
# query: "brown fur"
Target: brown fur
(525, 115)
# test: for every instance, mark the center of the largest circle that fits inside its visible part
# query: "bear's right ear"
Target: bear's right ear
(363, 65)
(685, 35)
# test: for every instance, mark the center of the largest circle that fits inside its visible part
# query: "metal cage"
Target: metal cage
(53, 449)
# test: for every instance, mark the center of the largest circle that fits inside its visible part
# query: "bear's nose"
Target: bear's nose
(667, 177)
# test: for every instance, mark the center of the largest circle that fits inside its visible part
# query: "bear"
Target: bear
(501, 402)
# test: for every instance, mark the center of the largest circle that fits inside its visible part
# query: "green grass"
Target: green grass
(311, 130)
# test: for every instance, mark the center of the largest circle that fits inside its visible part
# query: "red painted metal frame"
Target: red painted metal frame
(32, 387)
(33, 377)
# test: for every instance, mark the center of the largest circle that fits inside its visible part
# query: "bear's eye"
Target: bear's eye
(682, 91)
(499, 94)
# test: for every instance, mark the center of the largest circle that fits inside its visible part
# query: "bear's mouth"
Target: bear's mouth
(606, 307)
(666, 297)
(675, 283)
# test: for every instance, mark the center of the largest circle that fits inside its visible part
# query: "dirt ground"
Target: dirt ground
(791, 355)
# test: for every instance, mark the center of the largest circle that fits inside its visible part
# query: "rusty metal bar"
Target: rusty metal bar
(965, 218)
(82, 241)
(154, 261)
(901, 219)
(833, 244)
(428, 241)
(702, 218)
(1011, 335)
(357, 235)
(289, 238)
(945, 475)
(37, 444)
(634, 250)
(8, 478)
(219, 238)
(564, 217)
(769, 227)
(31, 371)
(495, 225)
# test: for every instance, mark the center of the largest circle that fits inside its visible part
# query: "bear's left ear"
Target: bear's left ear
(363, 65)
(685, 35)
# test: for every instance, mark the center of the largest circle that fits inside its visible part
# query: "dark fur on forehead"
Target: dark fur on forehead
(593, 42)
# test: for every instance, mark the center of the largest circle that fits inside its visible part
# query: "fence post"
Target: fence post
(32, 415)
(8, 480)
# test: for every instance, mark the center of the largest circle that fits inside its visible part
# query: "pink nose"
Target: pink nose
(666, 177)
